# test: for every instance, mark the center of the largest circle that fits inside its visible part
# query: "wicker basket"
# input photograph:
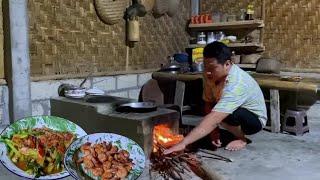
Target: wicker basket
(148, 4)
(250, 58)
(160, 7)
(268, 66)
(110, 11)
(173, 7)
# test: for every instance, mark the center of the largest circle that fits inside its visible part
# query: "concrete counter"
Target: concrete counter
(291, 94)
(102, 117)
(268, 81)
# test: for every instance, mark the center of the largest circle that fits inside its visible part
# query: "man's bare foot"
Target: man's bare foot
(236, 145)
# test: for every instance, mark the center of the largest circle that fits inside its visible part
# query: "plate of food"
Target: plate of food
(104, 156)
(34, 147)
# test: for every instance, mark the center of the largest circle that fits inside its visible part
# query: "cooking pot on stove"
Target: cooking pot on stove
(172, 66)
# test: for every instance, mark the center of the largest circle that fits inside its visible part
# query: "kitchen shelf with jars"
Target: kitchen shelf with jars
(235, 32)
(244, 24)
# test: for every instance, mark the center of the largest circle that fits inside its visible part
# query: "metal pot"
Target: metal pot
(198, 67)
(139, 107)
(65, 88)
(171, 69)
(172, 66)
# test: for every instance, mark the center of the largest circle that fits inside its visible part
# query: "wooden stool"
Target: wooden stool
(295, 122)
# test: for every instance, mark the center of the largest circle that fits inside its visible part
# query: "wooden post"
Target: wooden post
(179, 94)
(1, 65)
(275, 110)
(263, 17)
(17, 57)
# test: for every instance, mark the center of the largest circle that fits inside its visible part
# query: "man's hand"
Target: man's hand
(217, 143)
(208, 124)
(215, 137)
(178, 147)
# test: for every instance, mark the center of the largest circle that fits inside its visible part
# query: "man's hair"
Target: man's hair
(218, 51)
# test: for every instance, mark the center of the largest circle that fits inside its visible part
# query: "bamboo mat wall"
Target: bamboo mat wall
(292, 31)
(67, 38)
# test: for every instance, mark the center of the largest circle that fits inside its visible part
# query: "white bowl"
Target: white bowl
(232, 38)
(75, 93)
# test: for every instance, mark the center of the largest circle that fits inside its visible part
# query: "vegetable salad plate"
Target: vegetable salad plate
(34, 147)
(104, 156)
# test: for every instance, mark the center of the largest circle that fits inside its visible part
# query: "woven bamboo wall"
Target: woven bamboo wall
(67, 37)
(1, 44)
(292, 30)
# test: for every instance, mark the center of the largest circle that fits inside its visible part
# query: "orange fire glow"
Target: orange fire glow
(163, 135)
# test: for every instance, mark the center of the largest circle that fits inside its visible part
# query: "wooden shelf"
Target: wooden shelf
(247, 66)
(196, 45)
(240, 47)
(249, 24)
(247, 47)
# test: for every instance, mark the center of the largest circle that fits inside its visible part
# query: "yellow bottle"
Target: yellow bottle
(250, 12)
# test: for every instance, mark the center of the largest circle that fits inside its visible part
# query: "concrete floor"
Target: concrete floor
(276, 156)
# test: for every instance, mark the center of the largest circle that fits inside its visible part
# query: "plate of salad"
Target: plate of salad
(34, 147)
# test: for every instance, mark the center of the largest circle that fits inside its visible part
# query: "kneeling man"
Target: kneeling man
(240, 107)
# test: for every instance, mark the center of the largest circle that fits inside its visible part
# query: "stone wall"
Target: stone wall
(127, 86)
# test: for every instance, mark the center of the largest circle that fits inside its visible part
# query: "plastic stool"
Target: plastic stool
(295, 122)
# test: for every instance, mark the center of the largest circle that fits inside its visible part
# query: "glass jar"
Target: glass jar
(220, 36)
(250, 12)
(211, 37)
(242, 15)
(201, 38)
(216, 17)
(231, 18)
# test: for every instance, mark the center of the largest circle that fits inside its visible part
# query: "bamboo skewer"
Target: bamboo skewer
(221, 159)
(179, 165)
(219, 156)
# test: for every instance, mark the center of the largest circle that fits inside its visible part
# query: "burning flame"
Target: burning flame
(163, 135)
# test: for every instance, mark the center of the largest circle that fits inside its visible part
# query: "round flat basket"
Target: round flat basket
(173, 7)
(110, 11)
(160, 7)
(148, 4)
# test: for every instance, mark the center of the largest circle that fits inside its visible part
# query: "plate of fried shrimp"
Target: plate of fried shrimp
(103, 156)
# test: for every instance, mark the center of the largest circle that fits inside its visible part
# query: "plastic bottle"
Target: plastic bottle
(250, 12)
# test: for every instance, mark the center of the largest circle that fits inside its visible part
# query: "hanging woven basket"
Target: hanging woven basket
(148, 4)
(160, 7)
(110, 11)
(173, 7)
